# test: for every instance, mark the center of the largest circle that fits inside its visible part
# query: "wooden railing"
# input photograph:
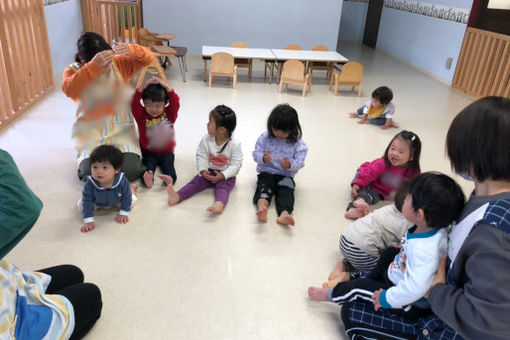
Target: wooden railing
(114, 20)
(483, 68)
(26, 70)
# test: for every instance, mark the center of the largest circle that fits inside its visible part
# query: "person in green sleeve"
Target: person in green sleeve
(52, 303)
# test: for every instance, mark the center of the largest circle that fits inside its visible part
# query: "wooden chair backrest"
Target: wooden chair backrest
(293, 69)
(351, 71)
(320, 48)
(293, 47)
(144, 37)
(240, 44)
(222, 62)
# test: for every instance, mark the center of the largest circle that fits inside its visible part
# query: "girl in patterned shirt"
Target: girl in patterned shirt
(280, 153)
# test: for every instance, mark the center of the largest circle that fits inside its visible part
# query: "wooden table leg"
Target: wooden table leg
(279, 73)
(271, 74)
(205, 69)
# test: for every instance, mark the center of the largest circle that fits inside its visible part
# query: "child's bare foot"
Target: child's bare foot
(216, 207)
(167, 179)
(353, 114)
(339, 269)
(173, 196)
(286, 219)
(342, 277)
(360, 203)
(318, 294)
(134, 188)
(148, 179)
(262, 209)
(354, 213)
(88, 227)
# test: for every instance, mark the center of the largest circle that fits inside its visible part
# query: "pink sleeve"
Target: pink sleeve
(411, 174)
(370, 172)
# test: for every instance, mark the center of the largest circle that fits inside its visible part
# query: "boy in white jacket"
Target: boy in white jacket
(364, 240)
(404, 274)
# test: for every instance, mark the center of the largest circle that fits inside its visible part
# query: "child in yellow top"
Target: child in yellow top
(379, 109)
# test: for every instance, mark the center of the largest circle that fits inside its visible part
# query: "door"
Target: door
(372, 23)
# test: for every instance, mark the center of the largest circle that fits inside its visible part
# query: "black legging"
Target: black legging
(67, 280)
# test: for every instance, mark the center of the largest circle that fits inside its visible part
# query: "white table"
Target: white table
(307, 56)
(240, 53)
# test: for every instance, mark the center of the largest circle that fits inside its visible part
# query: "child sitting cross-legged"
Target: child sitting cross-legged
(106, 187)
(404, 274)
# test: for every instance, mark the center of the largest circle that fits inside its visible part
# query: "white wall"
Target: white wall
(64, 28)
(352, 22)
(420, 40)
(262, 23)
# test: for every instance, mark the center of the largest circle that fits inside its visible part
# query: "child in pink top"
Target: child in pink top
(375, 180)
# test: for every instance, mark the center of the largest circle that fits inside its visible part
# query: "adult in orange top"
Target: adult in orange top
(97, 82)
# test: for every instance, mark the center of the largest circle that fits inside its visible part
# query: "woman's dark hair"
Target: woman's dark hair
(89, 44)
(439, 196)
(383, 94)
(225, 117)
(478, 139)
(285, 118)
(107, 153)
(414, 150)
(156, 93)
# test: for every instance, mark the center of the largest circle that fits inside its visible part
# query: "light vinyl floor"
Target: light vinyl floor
(180, 273)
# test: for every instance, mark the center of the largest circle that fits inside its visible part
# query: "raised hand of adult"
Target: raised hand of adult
(104, 59)
(121, 49)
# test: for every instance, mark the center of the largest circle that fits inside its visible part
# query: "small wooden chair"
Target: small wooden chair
(294, 73)
(245, 63)
(149, 40)
(320, 65)
(153, 67)
(222, 64)
(351, 74)
(279, 63)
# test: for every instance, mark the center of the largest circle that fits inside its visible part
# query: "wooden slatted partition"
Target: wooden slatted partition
(114, 20)
(483, 68)
(26, 71)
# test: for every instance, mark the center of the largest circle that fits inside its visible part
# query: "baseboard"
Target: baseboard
(417, 68)
(350, 40)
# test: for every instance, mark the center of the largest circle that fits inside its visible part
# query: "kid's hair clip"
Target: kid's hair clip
(143, 105)
(413, 138)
